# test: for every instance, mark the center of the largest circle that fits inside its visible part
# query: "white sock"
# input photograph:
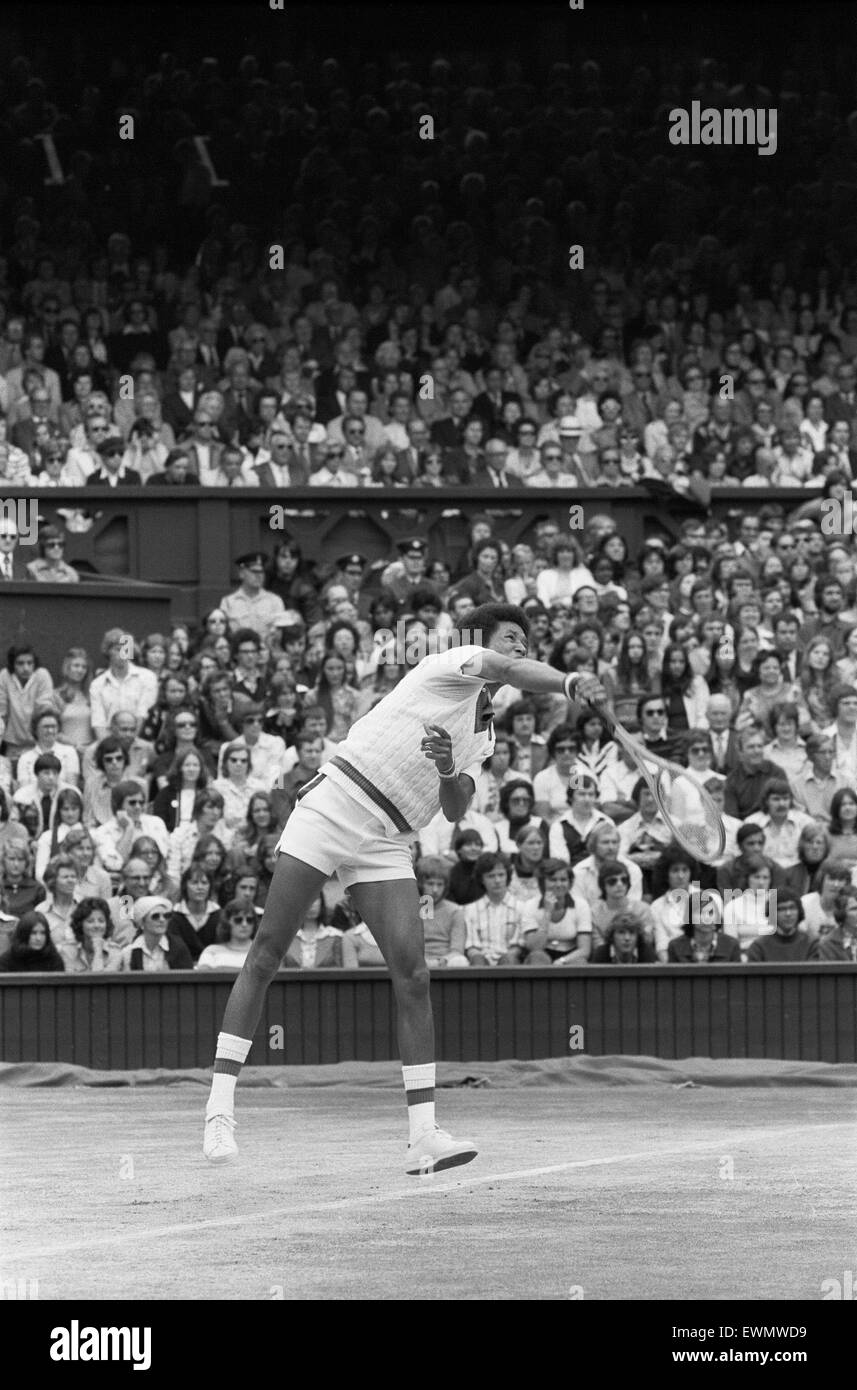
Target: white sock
(419, 1084)
(221, 1099)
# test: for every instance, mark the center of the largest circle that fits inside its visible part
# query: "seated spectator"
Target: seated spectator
(841, 942)
(128, 822)
(788, 942)
(464, 886)
(516, 811)
(92, 879)
(264, 862)
(557, 929)
(89, 947)
(25, 686)
(60, 879)
(110, 767)
(743, 788)
(596, 750)
(187, 777)
(494, 920)
(209, 852)
(122, 686)
(550, 786)
(671, 910)
(236, 788)
(704, 943)
(748, 907)
(567, 837)
(207, 821)
(625, 941)
(443, 921)
(317, 946)
(614, 896)
(196, 915)
(813, 847)
(31, 948)
(267, 751)
(40, 795)
(19, 890)
(44, 728)
(145, 848)
(833, 877)
(66, 814)
(530, 853)
(645, 835)
(51, 568)
(770, 688)
(260, 821)
(843, 826)
(154, 949)
(780, 821)
(815, 785)
(603, 846)
(684, 694)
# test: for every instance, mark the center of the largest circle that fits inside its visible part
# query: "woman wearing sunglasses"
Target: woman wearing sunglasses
(232, 939)
(153, 949)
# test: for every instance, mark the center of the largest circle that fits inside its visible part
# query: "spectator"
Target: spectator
(123, 686)
(843, 825)
(743, 788)
(788, 942)
(493, 921)
(51, 568)
(625, 942)
(614, 896)
(207, 821)
(557, 929)
(841, 942)
(516, 813)
(128, 821)
(251, 605)
(703, 943)
(88, 946)
(443, 921)
(31, 948)
(174, 803)
(25, 686)
(196, 914)
(567, 837)
(153, 949)
(72, 699)
(603, 848)
(833, 877)
(780, 821)
(92, 880)
(464, 886)
(317, 945)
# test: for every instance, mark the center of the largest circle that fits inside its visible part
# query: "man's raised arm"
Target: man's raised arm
(525, 674)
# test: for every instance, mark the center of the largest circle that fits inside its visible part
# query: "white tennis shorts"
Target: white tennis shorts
(336, 834)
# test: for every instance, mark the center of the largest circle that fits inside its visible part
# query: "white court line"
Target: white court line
(418, 1187)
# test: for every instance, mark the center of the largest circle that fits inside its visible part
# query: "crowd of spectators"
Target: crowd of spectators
(424, 330)
(142, 796)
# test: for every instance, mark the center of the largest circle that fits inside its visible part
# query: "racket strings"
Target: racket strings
(691, 812)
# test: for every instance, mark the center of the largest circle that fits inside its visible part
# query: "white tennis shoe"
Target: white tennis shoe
(434, 1150)
(218, 1144)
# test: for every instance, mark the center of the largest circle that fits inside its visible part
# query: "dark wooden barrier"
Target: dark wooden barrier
(55, 617)
(188, 538)
(795, 1012)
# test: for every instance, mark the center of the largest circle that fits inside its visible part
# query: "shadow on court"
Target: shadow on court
(602, 1192)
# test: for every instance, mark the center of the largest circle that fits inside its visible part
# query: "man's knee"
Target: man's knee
(264, 958)
(410, 977)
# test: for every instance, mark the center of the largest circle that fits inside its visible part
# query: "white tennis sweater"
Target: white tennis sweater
(381, 763)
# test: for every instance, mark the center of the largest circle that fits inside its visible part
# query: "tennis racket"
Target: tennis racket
(687, 807)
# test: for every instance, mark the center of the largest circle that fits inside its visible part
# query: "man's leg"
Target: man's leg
(293, 888)
(391, 910)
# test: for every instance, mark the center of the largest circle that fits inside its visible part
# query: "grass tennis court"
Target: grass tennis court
(623, 1192)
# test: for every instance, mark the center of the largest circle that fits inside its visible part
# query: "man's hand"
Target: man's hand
(590, 691)
(437, 746)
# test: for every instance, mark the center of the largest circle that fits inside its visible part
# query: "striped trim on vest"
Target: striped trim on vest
(308, 786)
(372, 791)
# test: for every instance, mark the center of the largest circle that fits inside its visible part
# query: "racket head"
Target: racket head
(688, 809)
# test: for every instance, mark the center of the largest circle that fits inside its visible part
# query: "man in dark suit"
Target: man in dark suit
(13, 564)
(263, 363)
(177, 471)
(239, 403)
(841, 404)
(743, 788)
(112, 471)
(488, 405)
(281, 469)
(178, 406)
(448, 432)
(723, 739)
(786, 632)
(418, 443)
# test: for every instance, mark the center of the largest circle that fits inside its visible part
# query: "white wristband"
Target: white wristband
(447, 776)
(569, 683)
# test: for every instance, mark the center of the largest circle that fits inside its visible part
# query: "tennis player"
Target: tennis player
(422, 745)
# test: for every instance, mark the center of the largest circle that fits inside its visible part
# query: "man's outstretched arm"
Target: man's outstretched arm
(526, 674)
